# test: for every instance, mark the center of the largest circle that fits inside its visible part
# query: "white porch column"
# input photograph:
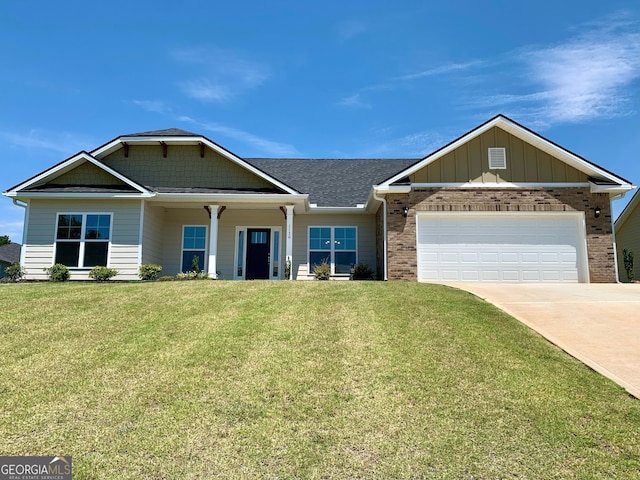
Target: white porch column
(213, 241)
(289, 241)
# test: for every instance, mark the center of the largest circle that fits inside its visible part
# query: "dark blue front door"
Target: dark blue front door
(258, 250)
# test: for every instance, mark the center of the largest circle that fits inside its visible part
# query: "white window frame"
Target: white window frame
(243, 254)
(203, 268)
(82, 240)
(333, 250)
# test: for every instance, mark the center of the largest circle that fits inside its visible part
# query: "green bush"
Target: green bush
(192, 276)
(149, 271)
(322, 271)
(166, 278)
(14, 272)
(102, 274)
(58, 273)
(627, 258)
(361, 271)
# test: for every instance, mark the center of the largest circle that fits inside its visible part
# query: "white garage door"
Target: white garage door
(501, 247)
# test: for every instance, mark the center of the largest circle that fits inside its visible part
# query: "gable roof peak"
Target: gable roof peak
(167, 132)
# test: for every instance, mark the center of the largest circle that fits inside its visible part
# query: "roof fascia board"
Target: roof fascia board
(610, 189)
(275, 198)
(316, 209)
(114, 145)
(71, 195)
(524, 134)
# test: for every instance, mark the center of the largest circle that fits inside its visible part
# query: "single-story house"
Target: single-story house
(9, 254)
(627, 232)
(499, 204)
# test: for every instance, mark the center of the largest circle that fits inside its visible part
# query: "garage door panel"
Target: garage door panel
(500, 248)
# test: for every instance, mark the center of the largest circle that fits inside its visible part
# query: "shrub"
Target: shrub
(149, 271)
(102, 274)
(195, 264)
(361, 271)
(58, 273)
(322, 271)
(192, 276)
(166, 278)
(627, 258)
(14, 272)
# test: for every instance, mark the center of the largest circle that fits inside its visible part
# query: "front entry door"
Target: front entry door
(258, 251)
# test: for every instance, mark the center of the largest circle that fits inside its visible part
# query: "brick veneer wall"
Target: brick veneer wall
(401, 231)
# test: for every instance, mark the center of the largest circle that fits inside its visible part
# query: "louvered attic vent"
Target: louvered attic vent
(497, 158)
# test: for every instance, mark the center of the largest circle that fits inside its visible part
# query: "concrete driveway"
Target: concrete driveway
(599, 324)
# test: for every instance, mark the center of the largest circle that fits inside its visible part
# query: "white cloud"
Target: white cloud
(203, 89)
(218, 74)
(354, 101)
(156, 106)
(416, 144)
(591, 75)
(260, 145)
(351, 28)
(61, 142)
(440, 70)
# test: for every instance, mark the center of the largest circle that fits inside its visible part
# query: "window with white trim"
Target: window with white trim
(82, 239)
(194, 246)
(336, 246)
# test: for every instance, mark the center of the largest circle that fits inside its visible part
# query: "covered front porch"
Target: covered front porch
(232, 240)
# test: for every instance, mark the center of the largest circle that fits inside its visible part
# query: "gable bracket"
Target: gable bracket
(222, 209)
(126, 149)
(284, 212)
(201, 149)
(164, 149)
(208, 209)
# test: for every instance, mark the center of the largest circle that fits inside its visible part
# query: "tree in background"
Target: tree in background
(4, 240)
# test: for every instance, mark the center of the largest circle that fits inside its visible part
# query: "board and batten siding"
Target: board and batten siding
(125, 234)
(525, 164)
(628, 237)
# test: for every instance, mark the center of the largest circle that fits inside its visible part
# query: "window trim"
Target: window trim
(82, 240)
(203, 268)
(236, 260)
(333, 250)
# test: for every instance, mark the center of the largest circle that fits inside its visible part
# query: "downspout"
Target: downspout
(25, 228)
(384, 231)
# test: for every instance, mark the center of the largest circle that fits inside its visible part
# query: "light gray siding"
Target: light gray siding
(125, 229)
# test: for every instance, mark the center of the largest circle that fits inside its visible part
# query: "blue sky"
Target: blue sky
(329, 79)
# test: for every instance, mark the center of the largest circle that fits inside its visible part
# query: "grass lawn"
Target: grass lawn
(298, 380)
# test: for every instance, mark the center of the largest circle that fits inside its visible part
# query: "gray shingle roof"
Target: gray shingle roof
(10, 253)
(332, 182)
(167, 132)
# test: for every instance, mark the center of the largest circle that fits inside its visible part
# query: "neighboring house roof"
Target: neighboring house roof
(631, 207)
(601, 179)
(167, 132)
(10, 253)
(332, 182)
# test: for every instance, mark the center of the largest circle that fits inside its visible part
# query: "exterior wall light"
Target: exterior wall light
(405, 211)
(597, 211)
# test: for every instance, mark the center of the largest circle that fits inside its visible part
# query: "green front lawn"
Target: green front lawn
(298, 379)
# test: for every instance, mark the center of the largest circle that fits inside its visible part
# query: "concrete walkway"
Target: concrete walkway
(599, 324)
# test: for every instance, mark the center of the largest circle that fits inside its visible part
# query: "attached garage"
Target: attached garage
(501, 247)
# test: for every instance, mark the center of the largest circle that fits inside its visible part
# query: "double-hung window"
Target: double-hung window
(82, 239)
(336, 246)
(194, 243)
